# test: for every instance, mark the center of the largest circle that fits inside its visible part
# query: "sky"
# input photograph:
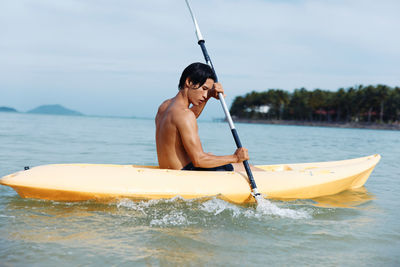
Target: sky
(123, 58)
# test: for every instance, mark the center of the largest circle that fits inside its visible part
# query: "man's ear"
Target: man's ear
(188, 83)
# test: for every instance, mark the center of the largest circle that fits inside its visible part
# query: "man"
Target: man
(177, 138)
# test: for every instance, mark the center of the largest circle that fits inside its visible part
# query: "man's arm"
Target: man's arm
(188, 130)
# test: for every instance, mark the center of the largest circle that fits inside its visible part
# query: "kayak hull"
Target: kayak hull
(105, 182)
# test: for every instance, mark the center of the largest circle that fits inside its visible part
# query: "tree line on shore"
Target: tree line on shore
(379, 104)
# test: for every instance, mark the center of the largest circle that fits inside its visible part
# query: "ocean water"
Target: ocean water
(357, 228)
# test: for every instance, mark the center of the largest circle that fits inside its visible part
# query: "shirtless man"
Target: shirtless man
(177, 138)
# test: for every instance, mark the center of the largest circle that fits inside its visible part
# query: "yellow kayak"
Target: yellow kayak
(104, 182)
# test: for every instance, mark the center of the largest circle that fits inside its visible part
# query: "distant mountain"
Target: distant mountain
(55, 110)
(7, 109)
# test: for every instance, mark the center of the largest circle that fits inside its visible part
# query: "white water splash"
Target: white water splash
(217, 206)
(175, 218)
(158, 215)
(141, 205)
(266, 207)
(129, 204)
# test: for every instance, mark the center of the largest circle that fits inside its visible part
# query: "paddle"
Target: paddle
(201, 42)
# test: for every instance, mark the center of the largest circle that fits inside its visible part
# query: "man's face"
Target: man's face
(197, 94)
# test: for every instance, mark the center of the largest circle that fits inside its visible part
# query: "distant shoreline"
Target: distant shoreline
(357, 125)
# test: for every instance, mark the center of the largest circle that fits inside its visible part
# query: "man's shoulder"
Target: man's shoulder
(175, 114)
(180, 115)
(164, 105)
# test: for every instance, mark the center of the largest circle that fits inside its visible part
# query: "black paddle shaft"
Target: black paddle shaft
(233, 129)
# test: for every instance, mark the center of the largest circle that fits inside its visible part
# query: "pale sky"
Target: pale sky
(123, 58)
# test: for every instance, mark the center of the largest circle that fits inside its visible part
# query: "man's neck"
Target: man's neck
(182, 98)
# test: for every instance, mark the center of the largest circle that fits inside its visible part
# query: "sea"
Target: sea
(353, 228)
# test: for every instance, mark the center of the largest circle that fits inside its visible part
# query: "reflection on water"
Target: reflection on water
(346, 199)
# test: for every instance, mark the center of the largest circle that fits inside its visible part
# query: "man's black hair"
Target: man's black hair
(197, 73)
